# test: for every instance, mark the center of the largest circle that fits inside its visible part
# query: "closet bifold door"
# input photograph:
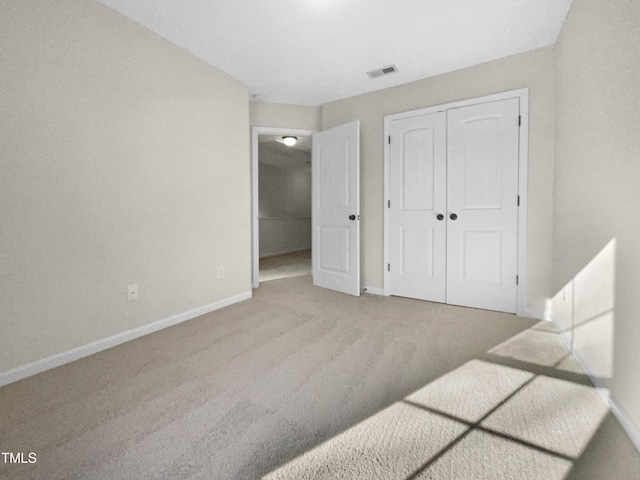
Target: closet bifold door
(417, 192)
(482, 205)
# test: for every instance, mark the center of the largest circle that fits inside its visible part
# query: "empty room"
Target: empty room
(460, 199)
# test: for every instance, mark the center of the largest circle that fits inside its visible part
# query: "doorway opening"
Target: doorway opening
(281, 204)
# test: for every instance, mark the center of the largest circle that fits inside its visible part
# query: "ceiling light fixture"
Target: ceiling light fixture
(289, 141)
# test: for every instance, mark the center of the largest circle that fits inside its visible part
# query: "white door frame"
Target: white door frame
(255, 227)
(523, 162)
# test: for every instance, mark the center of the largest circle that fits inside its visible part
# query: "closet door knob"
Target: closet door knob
(453, 216)
(352, 217)
(440, 216)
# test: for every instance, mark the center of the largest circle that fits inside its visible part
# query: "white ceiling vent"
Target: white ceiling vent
(382, 71)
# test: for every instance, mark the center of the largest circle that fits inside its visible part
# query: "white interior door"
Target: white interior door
(417, 206)
(482, 205)
(336, 208)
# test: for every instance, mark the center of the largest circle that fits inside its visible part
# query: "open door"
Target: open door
(335, 208)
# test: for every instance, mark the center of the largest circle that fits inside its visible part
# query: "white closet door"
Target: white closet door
(482, 205)
(336, 208)
(417, 176)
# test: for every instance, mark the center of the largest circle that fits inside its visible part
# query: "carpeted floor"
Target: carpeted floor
(305, 383)
(287, 265)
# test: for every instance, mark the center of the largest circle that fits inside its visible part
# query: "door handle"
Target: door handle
(352, 217)
(440, 216)
(453, 216)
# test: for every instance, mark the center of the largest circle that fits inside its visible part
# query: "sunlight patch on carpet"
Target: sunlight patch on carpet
(392, 444)
(483, 456)
(486, 383)
(553, 414)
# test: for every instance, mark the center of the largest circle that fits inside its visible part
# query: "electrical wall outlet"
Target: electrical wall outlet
(132, 292)
(220, 272)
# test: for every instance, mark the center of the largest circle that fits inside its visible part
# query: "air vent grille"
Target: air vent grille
(382, 71)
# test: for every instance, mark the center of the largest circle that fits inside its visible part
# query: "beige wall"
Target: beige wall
(534, 70)
(117, 150)
(283, 115)
(597, 180)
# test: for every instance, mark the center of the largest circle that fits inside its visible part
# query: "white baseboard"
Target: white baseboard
(604, 392)
(627, 424)
(72, 355)
(563, 335)
(372, 290)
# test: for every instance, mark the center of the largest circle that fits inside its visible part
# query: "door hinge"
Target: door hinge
(519, 120)
(517, 280)
(389, 139)
(388, 267)
(388, 203)
(518, 200)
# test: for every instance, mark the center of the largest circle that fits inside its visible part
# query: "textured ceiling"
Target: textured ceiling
(311, 52)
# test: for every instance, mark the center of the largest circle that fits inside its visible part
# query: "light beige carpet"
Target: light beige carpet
(301, 382)
(286, 265)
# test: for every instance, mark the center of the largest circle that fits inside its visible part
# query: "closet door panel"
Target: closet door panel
(417, 176)
(482, 205)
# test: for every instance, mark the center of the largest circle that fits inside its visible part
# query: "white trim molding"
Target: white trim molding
(523, 161)
(74, 354)
(627, 425)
